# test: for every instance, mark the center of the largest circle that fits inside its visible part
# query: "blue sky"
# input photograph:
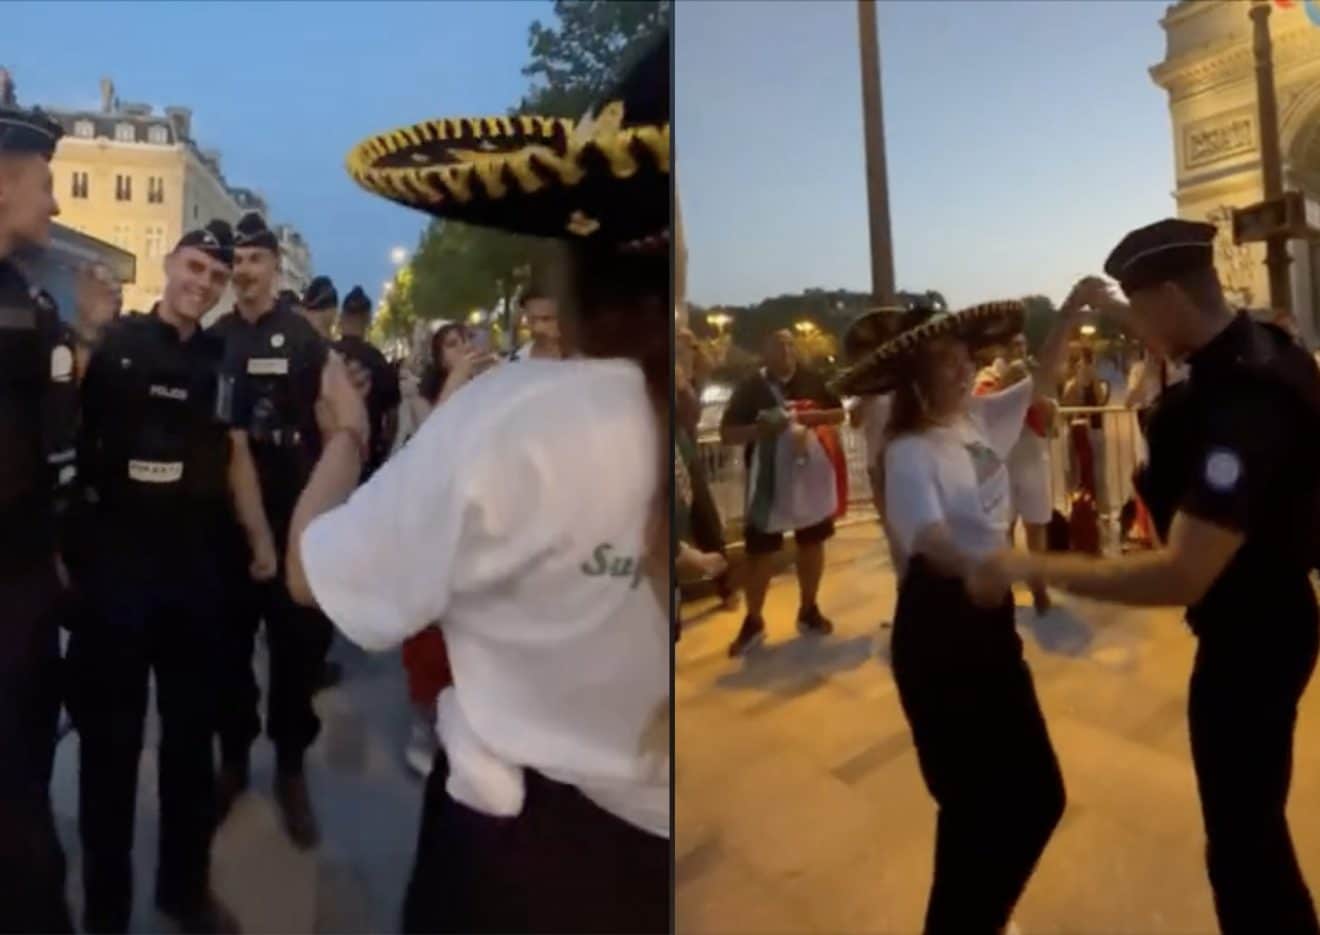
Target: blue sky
(1024, 139)
(284, 90)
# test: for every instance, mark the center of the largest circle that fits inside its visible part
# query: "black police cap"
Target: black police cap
(28, 132)
(320, 294)
(216, 240)
(356, 302)
(1160, 252)
(253, 232)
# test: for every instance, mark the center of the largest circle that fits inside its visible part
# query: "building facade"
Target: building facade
(295, 259)
(1209, 74)
(136, 178)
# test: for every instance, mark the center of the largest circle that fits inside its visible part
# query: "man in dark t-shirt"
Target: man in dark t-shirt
(760, 410)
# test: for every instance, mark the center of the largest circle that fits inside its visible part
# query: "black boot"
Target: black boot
(296, 808)
(230, 783)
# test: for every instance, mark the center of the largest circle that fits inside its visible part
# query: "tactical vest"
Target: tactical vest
(38, 414)
(164, 449)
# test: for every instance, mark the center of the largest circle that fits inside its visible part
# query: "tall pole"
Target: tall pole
(1271, 160)
(877, 184)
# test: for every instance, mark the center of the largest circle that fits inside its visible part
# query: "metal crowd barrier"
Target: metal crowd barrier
(1116, 444)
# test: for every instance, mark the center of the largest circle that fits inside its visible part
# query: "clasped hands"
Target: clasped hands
(989, 579)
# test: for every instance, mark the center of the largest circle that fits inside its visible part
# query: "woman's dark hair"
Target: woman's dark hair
(436, 373)
(618, 305)
(907, 415)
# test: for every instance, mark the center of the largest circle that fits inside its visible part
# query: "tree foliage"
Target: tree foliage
(573, 62)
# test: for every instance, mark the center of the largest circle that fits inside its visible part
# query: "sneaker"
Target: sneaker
(751, 635)
(811, 620)
(420, 752)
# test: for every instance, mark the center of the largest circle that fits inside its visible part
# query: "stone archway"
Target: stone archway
(1209, 74)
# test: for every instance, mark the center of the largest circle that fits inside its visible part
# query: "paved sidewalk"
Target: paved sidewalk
(800, 807)
(368, 802)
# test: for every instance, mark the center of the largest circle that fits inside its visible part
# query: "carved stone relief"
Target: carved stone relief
(1219, 138)
(1234, 262)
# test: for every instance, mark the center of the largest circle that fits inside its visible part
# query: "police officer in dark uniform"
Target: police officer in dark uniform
(38, 417)
(320, 305)
(383, 397)
(1231, 485)
(155, 460)
(279, 358)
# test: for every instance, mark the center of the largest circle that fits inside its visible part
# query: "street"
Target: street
(368, 802)
(800, 807)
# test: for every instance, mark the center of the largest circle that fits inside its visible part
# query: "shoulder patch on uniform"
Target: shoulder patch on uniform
(1223, 470)
(61, 364)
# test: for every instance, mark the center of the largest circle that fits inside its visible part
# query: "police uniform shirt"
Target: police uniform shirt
(1234, 452)
(155, 436)
(496, 519)
(38, 412)
(275, 363)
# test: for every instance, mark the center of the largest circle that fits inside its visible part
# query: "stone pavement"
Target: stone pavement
(800, 807)
(368, 801)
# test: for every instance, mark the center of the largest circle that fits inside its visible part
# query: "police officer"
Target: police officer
(1231, 485)
(155, 459)
(278, 357)
(320, 305)
(38, 410)
(383, 397)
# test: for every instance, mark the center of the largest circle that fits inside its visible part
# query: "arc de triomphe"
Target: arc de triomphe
(1209, 74)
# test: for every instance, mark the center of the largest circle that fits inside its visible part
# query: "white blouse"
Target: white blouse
(958, 475)
(517, 516)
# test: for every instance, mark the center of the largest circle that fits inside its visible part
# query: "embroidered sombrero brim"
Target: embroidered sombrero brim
(979, 326)
(597, 181)
(871, 329)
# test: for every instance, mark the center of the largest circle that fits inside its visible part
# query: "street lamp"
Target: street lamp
(399, 256)
(720, 320)
(1088, 330)
(805, 328)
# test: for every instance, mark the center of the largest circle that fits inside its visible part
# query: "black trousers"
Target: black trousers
(1242, 711)
(32, 864)
(562, 865)
(298, 639)
(165, 620)
(982, 745)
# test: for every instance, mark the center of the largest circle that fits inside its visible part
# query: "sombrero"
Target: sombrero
(882, 369)
(603, 180)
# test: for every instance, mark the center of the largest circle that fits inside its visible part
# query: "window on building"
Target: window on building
(125, 133)
(155, 241)
(123, 188)
(122, 236)
(155, 190)
(158, 134)
(84, 129)
(79, 185)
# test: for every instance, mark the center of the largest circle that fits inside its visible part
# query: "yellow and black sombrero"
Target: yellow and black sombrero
(602, 180)
(882, 369)
(873, 328)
